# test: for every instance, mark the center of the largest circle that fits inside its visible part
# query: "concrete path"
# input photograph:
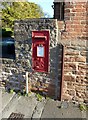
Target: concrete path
(6, 98)
(30, 107)
(57, 109)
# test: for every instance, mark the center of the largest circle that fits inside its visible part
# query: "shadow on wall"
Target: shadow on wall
(58, 73)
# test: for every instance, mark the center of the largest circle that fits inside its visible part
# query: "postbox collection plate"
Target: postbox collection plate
(40, 51)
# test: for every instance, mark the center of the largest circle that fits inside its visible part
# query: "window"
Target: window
(59, 10)
(8, 48)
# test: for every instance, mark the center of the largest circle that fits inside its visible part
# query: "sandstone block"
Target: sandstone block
(69, 78)
(81, 59)
(66, 97)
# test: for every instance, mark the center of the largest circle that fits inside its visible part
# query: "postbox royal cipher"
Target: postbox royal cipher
(40, 51)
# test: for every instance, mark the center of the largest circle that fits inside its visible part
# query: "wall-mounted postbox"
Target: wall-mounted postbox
(40, 51)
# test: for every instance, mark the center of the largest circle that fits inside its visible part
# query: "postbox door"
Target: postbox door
(40, 51)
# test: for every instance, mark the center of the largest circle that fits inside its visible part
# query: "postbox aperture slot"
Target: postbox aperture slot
(40, 37)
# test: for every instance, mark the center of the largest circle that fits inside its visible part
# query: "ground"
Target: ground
(32, 107)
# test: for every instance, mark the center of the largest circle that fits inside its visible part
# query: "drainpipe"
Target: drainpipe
(26, 82)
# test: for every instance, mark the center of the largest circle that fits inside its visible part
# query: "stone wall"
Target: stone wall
(74, 36)
(14, 71)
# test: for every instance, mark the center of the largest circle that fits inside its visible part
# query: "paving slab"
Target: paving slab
(50, 109)
(39, 109)
(10, 107)
(6, 98)
(53, 110)
(26, 106)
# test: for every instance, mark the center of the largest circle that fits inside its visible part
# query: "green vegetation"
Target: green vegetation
(22, 93)
(19, 93)
(11, 91)
(12, 11)
(48, 98)
(39, 97)
(83, 107)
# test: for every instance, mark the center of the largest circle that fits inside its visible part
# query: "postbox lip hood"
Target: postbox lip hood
(40, 31)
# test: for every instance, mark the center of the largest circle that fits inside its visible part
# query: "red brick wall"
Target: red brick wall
(76, 24)
(74, 36)
(75, 15)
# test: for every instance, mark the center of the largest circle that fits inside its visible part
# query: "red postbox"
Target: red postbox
(40, 51)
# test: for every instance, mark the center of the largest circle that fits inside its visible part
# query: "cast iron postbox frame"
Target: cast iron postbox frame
(40, 50)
